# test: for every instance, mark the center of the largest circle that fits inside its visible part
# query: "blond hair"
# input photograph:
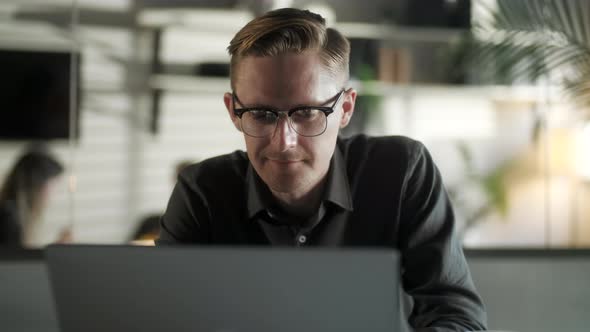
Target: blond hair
(291, 30)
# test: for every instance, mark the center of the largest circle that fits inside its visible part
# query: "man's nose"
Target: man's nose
(284, 136)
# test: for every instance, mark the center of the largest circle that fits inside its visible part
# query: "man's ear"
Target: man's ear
(347, 107)
(227, 100)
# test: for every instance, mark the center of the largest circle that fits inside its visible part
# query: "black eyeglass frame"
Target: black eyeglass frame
(327, 110)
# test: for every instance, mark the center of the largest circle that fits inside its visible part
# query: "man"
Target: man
(298, 184)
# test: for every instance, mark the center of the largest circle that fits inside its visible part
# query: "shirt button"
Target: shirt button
(302, 239)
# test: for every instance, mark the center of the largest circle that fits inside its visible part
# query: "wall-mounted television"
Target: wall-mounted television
(35, 93)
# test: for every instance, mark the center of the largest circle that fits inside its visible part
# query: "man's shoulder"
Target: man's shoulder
(395, 148)
(221, 170)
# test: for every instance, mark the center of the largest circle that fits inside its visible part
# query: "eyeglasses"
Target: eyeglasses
(308, 121)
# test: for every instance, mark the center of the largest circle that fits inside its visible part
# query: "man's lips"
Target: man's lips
(284, 161)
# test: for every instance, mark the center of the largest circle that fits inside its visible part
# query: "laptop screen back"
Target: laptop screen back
(121, 289)
(26, 302)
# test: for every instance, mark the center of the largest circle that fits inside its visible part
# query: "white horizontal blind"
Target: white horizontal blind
(192, 127)
(121, 171)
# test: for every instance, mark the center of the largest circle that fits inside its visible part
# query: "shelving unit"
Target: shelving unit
(392, 33)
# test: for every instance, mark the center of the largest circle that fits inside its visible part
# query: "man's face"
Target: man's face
(286, 161)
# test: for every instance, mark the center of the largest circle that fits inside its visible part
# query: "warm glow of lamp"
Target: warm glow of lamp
(583, 152)
(561, 151)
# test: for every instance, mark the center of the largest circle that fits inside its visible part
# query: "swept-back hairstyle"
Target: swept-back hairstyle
(291, 30)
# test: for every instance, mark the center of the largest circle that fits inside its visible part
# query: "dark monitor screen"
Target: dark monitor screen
(35, 95)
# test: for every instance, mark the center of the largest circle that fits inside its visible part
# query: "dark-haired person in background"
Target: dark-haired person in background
(24, 194)
(299, 184)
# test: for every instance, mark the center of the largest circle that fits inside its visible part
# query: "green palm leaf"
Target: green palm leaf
(530, 39)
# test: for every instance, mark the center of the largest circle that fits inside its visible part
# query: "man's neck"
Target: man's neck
(303, 203)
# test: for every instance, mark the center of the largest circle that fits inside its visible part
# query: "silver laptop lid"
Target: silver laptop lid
(215, 289)
(26, 302)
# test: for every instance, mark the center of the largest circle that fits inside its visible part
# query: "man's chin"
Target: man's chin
(285, 184)
(285, 178)
(280, 166)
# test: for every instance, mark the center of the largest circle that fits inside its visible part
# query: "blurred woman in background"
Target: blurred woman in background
(24, 194)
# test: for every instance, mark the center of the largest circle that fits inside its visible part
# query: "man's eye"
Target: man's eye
(262, 115)
(306, 114)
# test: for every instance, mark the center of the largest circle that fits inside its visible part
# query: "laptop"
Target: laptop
(26, 302)
(224, 289)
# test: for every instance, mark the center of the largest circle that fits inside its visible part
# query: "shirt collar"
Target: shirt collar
(337, 188)
(259, 196)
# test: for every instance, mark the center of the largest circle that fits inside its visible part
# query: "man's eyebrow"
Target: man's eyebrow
(318, 104)
(269, 107)
(263, 106)
(254, 105)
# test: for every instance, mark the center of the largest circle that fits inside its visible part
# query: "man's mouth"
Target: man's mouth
(284, 161)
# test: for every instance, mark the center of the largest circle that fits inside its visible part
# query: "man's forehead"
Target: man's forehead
(290, 76)
(287, 67)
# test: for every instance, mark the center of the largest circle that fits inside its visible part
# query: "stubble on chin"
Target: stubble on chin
(282, 178)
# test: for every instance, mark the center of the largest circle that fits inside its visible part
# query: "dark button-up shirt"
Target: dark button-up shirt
(380, 192)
